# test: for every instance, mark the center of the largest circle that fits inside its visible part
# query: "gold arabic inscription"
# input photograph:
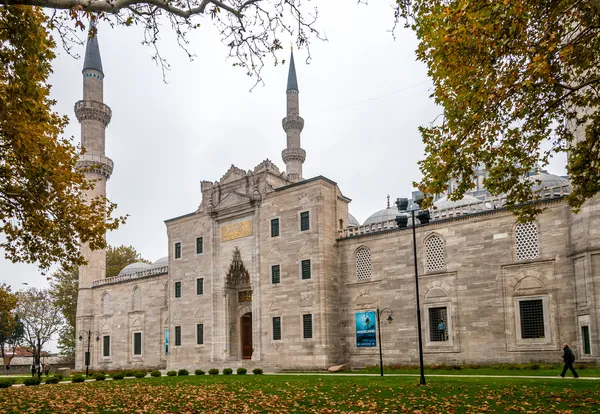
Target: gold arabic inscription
(236, 230)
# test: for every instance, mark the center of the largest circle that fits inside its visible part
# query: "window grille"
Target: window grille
(277, 328)
(106, 346)
(178, 250)
(178, 336)
(438, 324)
(200, 286)
(177, 289)
(137, 298)
(200, 333)
(526, 239)
(307, 326)
(275, 227)
(363, 264)
(106, 304)
(532, 319)
(199, 245)
(304, 221)
(275, 274)
(137, 343)
(434, 254)
(306, 269)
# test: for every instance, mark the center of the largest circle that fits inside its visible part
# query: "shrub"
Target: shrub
(78, 378)
(241, 371)
(227, 371)
(183, 372)
(213, 371)
(51, 380)
(139, 374)
(257, 371)
(6, 382)
(100, 377)
(60, 377)
(198, 372)
(129, 373)
(118, 376)
(156, 373)
(32, 381)
(172, 373)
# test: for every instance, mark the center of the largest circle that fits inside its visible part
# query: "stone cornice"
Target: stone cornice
(292, 123)
(93, 163)
(132, 276)
(93, 110)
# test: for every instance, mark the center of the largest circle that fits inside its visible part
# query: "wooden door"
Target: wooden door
(246, 323)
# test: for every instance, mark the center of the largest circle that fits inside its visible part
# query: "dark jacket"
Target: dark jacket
(568, 355)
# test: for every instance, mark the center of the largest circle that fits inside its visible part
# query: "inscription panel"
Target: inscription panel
(236, 230)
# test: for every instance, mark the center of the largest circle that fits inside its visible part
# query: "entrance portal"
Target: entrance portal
(246, 326)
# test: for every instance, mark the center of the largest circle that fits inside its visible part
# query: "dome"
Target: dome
(380, 216)
(162, 262)
(545, 180)
(444, 203)
(352, 221)
(134, 268)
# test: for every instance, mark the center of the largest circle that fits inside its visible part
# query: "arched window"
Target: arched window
(434, 254)
(137, 298)
(166, 293)
(363, 264)
(105, 304)
(526, 241)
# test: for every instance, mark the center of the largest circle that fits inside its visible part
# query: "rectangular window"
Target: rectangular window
(178, 250)
(305, 269)
(585, 336)
(532, 319)
(277, 328)
(106, 345)
(438, 324)
(177, 289)
(137, 343)
(275, 227)
(200, 286)
(304, 221)
(275, 274)
(307, 326)
(178, 336)
(200, 333)
(199, 246)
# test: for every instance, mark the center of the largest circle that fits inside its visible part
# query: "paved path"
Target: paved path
(557, 377)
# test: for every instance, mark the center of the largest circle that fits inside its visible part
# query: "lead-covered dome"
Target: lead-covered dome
(162, 262)
(134, 268)
(544, 180)
(444, 203)
(380, 216)
(352, 221)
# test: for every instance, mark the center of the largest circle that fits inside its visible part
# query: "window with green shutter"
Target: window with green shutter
(275, 274)
(585, 334)
(137, 343)
(178, 336)
(178, 250)
(305, 269)
(177, 289)
(199, 245)
(275, 227)
(277, 328)
(307, 326)
(304, 221)
(106, 345)
(200, 286)
(200, 333)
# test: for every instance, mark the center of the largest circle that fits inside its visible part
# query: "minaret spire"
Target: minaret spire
(94, 116)
(293, 156)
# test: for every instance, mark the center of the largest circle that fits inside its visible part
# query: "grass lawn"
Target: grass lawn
(306, 394)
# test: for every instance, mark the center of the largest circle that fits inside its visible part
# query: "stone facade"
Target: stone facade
(267, 272)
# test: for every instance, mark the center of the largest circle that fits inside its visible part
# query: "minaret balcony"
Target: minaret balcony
(93, 110)
(292, 122)
(293, 154)
(93, 163)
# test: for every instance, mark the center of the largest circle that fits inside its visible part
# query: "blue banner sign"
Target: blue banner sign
(366, 329)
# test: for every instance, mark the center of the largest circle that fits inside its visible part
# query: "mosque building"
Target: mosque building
(271, 271)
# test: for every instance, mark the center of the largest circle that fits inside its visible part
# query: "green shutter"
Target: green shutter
(137, 343)
(200, 286)
(106, 346)
(200, 334)
(585, 333)
(276, 328)
(305, 269)
(275, 227)
(275, 274)
(177, 289)
(177, 335)
(177, 250)
(307, 326)
(199, 245)
(304, 221)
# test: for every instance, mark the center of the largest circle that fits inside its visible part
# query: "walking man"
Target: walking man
(569, 358)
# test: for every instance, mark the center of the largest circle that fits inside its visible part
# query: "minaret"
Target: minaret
(293, 156)
(94, 116)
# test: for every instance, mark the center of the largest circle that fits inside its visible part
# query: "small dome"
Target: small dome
(352, 221)
(545, 180)
(443, 203)
(162, 262)
(380, 216)
(134, 268)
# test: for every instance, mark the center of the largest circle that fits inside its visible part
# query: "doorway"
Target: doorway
(246, 326)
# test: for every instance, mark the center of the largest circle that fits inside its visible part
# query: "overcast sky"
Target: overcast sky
(362, 97)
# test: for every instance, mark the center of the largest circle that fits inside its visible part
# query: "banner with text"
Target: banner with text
(365, 329)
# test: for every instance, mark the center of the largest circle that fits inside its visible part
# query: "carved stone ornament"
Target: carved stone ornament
(290, 154)
(292, 122)
(97, 164)
(93, 110)
(237, 274)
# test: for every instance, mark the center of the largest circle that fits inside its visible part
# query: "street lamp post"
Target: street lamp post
(89, 341)
(402, 222)
(389, 319)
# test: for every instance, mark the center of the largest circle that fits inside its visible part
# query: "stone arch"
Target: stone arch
(177, 316)
(199, 314)
(244, 310)
(166, 294)
(136, 323)
(528, 285)
(275, 305)
(364, 300)
(136, 298)
(105, 304)
(166, 323)
(436, 293)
